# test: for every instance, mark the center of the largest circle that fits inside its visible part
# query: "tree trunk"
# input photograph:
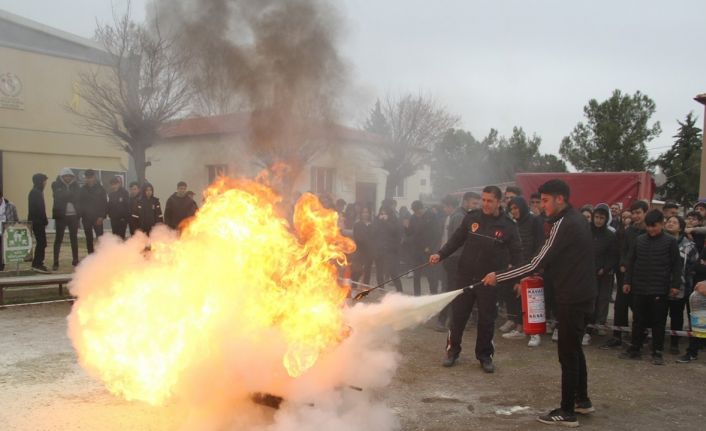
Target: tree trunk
(140, 159)
(391, 184)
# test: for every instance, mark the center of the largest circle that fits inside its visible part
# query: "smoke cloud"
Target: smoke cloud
(276, 59)
(241, 304)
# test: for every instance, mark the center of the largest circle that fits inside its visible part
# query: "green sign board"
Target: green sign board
(16, 242)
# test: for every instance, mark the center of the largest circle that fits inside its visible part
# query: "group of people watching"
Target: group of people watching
(133, 209)
(653, 259)
(664, 264)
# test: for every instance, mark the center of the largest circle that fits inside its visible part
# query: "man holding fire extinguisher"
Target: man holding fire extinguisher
(490, 241)
(565, 259)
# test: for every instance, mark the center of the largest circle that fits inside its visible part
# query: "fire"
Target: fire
(239, 272)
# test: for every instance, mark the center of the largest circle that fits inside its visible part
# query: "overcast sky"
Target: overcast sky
(498, 63)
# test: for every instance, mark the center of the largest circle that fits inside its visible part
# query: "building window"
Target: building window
(399, 189)
(322, 179)
(215, 171)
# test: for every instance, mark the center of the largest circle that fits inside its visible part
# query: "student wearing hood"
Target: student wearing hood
(531, 229)
(147, 211)
(605, 252)
(65, 191)
(38, 218)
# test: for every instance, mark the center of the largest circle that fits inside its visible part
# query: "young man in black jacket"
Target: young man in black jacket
(118, 207)
(623, 301)
(422, 234)
(94, 207)
(653, 272)
(65, 213)
(531, 229)
(38, 217)
(490, 242)
(454, 216)
(605, 251)
(565, 259)
(179, 207)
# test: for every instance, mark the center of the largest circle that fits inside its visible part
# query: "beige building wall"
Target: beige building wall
(43, 136)
(188, 159)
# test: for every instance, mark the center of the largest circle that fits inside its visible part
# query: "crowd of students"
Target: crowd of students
(647, 261)
(132, 209)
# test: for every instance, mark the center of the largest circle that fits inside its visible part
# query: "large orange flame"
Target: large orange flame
(238, 264)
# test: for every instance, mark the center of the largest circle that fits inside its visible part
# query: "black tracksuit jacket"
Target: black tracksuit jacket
(567, 259)
(490, 243)
(654, 265)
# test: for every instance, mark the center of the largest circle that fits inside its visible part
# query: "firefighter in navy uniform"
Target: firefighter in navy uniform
(491, 242)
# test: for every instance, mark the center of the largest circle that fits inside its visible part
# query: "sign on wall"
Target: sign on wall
(16, 242)
(11, 96)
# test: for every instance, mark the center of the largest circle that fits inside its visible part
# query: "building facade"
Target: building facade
(197, 150)
(39, 70)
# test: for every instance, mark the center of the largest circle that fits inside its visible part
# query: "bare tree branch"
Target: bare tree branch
(141, 88)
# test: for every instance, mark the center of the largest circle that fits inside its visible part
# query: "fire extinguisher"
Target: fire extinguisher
(533, 311)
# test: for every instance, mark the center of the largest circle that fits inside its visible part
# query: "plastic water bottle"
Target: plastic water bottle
(698, 314)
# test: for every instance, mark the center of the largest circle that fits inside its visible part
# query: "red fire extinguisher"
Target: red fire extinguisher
(533, 311)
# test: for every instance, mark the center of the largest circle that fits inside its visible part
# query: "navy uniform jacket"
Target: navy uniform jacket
(490, 243)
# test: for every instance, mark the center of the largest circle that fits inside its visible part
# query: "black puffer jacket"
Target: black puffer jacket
(629, 239)
(567, 259)
(531, 229)
(654, 265)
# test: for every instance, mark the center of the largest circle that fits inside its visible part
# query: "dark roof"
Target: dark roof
(239, 123)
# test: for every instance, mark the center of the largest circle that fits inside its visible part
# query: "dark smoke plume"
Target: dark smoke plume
(276, 59)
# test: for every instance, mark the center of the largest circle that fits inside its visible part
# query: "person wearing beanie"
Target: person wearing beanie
(38, 218)
(65, 190)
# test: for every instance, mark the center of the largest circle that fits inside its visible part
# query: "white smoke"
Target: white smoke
(217, 384)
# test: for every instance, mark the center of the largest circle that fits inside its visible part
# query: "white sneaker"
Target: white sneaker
(551, 325)
(514, 335)
(534, 341)
(586, 340)
(555, 334)
(507, 326)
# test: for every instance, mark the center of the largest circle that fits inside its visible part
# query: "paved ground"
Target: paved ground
(43, 388)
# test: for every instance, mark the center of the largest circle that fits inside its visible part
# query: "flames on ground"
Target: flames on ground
(236, 269)
(241, 303)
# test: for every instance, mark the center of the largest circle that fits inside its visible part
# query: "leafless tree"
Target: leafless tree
(412, 126)
(140, 90)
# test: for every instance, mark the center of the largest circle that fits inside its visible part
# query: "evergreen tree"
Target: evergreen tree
(615, 135)
(681, 164)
